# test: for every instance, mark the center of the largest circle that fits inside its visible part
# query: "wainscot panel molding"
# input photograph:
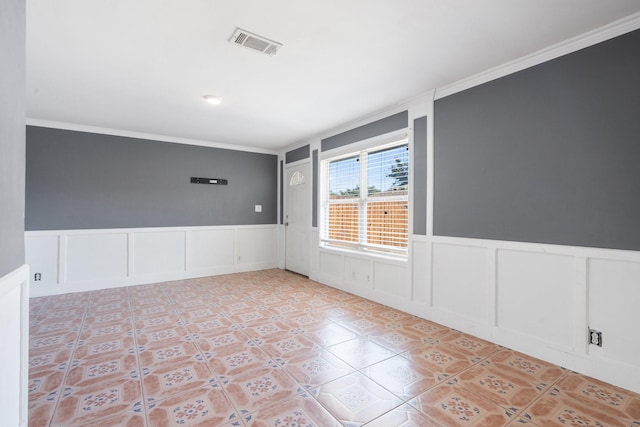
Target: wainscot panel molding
(385, 280)
(541, 300)
(84, 260)
(14, 336)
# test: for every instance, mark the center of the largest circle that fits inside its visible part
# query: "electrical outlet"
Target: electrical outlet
(595, 337)
(37, 277)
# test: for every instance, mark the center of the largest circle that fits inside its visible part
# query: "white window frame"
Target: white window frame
(356, 149)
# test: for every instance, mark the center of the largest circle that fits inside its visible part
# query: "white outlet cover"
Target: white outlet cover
(258, 208)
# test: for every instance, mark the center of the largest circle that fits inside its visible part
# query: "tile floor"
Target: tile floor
(272, 348)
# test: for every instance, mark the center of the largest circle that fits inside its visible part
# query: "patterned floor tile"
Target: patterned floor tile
(102, 369)
(168, 334)
(53, 328)
(114, 330)
(442, 360)
(361, 352)
(301, 411)
(234, 359)
(469, 345)
(257, 389)
(306, 319)
(580, 400)
(327, 334)
(509, 391)
(390, 315)
(316, 368)
(96, 320)
(267, 329)
(48, 343)
(428, 331)
(108, 303)
(98, 402)
(153, 310)
(101, 348)
(108, 307)
(355, 399)
(288, 309)
(41, 411)
(168, 353)
(153, 323)
(138, 302)
(251, 316)
(209, 326)
(402, 377)
(51, 359)
(44, 384)
(198, 314)
(396, 339)
(211, 343)
(120, 420)
(287, 346)
(286, 351)
(403, 416)
(526, 367)
(207, 407)
(452, 405)
(363, 325)
(169, 380)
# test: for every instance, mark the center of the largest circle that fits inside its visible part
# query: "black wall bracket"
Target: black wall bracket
(214, 181)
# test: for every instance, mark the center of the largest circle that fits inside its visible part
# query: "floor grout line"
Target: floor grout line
(132, 319)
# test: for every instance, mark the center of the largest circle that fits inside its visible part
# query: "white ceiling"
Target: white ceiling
(144, 65)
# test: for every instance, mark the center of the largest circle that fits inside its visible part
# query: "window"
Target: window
(365, 199)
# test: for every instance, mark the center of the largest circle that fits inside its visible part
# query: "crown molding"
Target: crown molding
(614, 29)
(141, 135)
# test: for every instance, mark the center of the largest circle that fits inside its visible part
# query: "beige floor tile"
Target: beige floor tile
(207, 407)
(257, 389)
(275, 348)
(301, 411)
(452, 405)
(403, 377)
(316, 368)
(403, 416)
(361, 352)
(355, 399)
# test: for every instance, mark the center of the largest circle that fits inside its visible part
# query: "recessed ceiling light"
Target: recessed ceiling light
(212, 99)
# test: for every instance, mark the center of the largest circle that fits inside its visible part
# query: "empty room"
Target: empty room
(296, 213)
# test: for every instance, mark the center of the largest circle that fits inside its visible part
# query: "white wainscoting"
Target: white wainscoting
(541, 300)
(397, 283)
(82, 260)
(14, 356)
(534, 298)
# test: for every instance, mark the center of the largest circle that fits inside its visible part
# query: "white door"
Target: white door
(297, 218)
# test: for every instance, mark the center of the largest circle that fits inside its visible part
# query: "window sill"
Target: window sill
(400, 260)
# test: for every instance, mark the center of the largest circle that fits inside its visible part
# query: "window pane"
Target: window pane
(343, 222)
(388, 171)
(344, 178)
(388, 223)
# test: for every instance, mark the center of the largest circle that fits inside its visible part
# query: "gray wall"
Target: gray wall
(379, 127)
(79, 180)
(550, 154)
(12, 116)
(297, 154)
(314, 189)
(420, 176)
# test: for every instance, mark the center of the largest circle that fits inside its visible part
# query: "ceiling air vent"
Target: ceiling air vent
(253, 41)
